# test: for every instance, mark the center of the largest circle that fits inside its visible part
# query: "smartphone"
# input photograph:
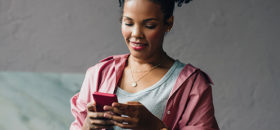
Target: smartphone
(102, 99)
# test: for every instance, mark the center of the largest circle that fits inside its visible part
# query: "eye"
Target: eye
(150, 26)
(128, 24)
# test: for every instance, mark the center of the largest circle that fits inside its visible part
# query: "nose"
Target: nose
(137, 32)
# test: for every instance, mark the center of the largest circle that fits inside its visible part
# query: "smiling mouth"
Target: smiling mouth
(138, 45)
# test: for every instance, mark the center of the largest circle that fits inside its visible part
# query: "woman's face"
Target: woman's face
(143, 28)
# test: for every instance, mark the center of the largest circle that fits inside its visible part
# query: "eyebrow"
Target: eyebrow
(146, 20)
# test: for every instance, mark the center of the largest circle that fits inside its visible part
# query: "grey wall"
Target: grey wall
(235, 41)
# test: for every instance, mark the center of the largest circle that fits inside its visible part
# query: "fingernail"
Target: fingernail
(106, 115)
(114, 104)
(105, 107)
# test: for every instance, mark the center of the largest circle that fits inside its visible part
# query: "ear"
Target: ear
(170, 23)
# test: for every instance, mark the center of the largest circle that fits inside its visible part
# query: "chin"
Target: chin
(139, 54)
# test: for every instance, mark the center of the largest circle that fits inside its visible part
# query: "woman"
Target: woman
(154, 90)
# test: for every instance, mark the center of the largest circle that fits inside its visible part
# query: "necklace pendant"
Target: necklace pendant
(134, 84)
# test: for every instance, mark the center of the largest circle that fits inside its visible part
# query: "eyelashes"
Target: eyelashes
(150, 26)
(127, 24)
(147, 26)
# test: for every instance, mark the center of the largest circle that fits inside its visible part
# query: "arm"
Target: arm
(199, 113)
(83, 106)
(80, 100)
(78, 104)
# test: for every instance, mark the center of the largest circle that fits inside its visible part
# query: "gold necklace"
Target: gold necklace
(134, 83)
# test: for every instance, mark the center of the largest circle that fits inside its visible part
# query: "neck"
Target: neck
(161, 58)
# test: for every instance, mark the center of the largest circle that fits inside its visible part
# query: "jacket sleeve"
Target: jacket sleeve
(80, 100)
(199, 112)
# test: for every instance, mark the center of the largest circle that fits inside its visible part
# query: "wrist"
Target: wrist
(161, 126)
(85, 125)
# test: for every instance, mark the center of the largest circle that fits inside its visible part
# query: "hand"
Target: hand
(137, 116)
(95, 120)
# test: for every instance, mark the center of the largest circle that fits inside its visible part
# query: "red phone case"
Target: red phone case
(103, 99)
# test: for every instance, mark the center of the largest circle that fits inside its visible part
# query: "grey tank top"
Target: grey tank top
(154, 98)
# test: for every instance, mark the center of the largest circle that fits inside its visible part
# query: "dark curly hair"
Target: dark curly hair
(167, 6)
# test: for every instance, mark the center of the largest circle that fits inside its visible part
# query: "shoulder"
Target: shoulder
(107, 62)
(191, 71)
(114, 57)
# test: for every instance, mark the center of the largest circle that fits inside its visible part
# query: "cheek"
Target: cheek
(125, 32)
(155, 36)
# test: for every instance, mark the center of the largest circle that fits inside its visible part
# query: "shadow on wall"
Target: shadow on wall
(32, 101)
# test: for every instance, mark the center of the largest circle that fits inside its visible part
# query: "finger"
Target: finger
(134, 103)
(125, 126)
(96, 115)
(91, 106)
(114, 110)
(116, 104)
(94, 127)
(108, 108)
(101, 122)
(127, 109)
(121, 119)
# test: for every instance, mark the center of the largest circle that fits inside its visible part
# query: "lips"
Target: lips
(138, 45)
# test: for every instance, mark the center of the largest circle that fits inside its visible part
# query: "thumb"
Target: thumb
(133, 103)
(91, 106)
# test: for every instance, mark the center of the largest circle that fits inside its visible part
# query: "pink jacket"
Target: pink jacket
(189, 106)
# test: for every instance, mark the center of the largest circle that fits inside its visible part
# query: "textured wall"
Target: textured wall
(57, 35)
(235, 41)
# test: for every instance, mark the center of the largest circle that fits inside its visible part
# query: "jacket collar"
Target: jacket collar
(187, 71)
(120, 62)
